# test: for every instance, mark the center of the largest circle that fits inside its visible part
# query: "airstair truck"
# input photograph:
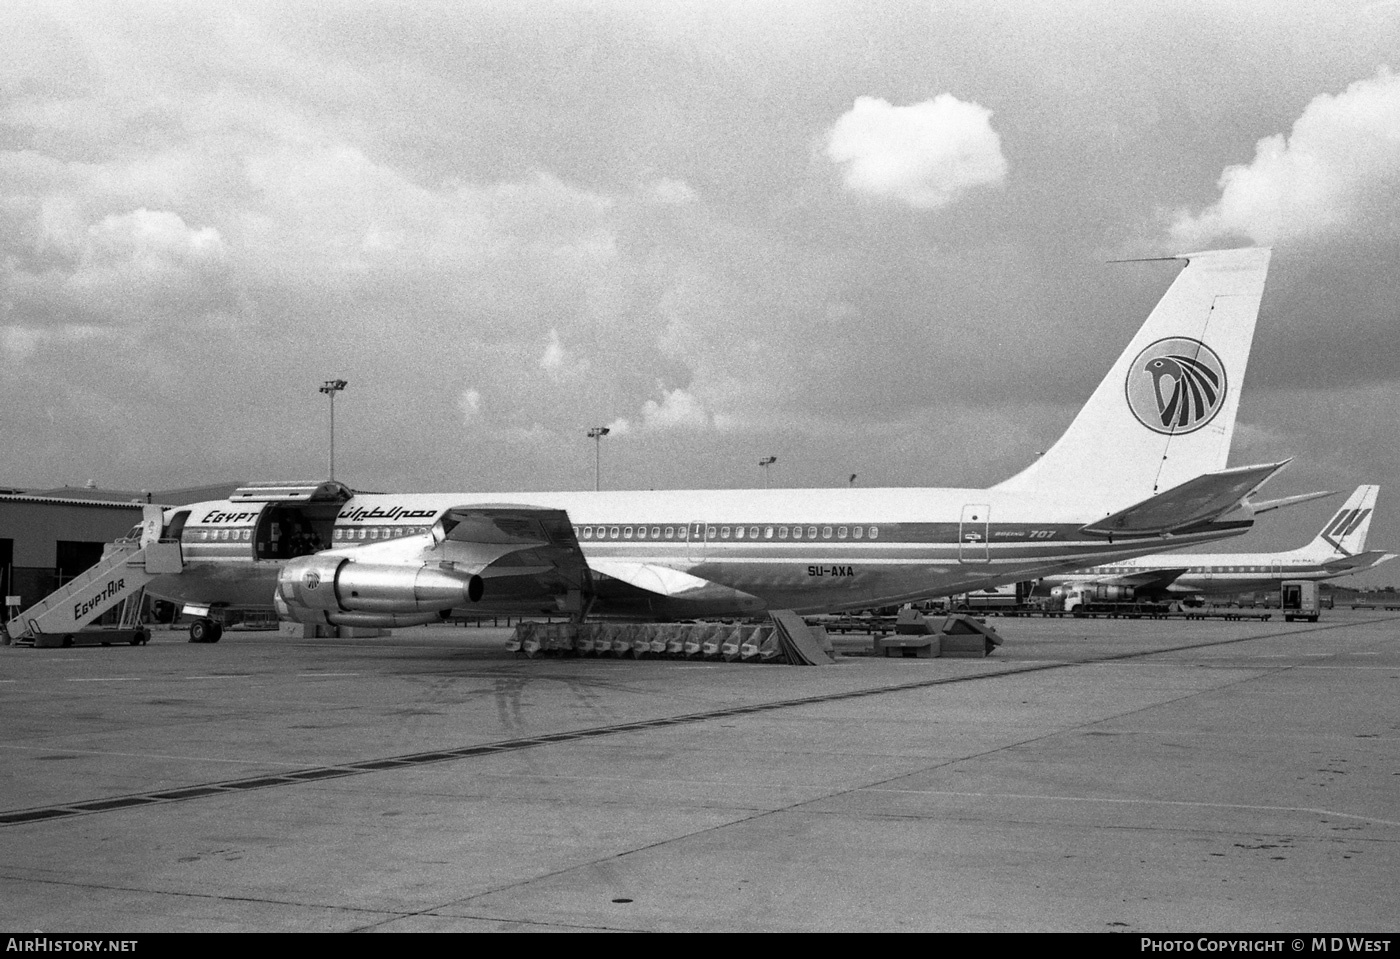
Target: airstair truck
(119, 577)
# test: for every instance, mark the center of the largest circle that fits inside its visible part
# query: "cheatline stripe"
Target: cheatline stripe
(229, 786)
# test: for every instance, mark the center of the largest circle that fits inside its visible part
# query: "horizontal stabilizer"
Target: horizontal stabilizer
(1196, 501)
(1269, 504)
(1358, 562)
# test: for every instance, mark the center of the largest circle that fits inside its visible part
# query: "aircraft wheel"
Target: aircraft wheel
(200, 631)
(216, 632)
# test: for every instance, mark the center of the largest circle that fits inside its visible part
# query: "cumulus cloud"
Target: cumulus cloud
(1338, 172)
(671, 192)
(552, 362)
(21, 342)
(677, 410)
(926, 155)
(1250, 438)
(151, 238)
(469, 405)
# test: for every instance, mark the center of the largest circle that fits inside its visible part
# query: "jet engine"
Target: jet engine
(327, 588)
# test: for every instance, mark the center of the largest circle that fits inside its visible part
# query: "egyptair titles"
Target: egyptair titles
(358, 514)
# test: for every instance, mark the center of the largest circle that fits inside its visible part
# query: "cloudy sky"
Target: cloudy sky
(863, 238)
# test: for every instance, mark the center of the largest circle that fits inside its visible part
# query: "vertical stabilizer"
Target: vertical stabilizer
(1165, 413)
(1345, 533)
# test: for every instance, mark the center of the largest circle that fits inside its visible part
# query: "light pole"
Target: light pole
(596, 434)
(330, 388)
(766, 462)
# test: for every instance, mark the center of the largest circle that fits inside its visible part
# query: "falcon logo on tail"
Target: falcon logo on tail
(1176, 386)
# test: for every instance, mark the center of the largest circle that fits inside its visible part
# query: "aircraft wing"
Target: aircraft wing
(672, 584)
(1196, 501)
(1148, 579)
(503, 540)
(662, 580)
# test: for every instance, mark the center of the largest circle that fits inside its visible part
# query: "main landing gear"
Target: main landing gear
(206, 630)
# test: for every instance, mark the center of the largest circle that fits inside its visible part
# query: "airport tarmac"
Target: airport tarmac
(1090, 775)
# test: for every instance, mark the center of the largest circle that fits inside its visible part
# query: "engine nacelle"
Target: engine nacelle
(321, 617)
(336, 588)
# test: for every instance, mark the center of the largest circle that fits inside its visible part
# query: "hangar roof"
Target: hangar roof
(93, 496)
(70, 500)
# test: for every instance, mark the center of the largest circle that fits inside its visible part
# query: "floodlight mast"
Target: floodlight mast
(596, 434)
(766, 462)
(330, 388)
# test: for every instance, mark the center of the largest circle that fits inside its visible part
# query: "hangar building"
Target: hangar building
(49, 536)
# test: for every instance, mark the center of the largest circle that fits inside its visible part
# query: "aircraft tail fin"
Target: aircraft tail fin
(1345, 533)
(1165, 413)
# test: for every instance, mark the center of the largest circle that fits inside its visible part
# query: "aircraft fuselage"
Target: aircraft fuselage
(808, 550)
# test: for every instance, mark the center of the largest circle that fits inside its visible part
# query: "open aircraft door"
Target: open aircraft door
(292, 519)
(973, 531)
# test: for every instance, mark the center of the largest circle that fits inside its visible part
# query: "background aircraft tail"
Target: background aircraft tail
(1345, 533)
(1165, 413)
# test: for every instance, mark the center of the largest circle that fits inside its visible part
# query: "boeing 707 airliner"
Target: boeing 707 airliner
(1140, 469)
